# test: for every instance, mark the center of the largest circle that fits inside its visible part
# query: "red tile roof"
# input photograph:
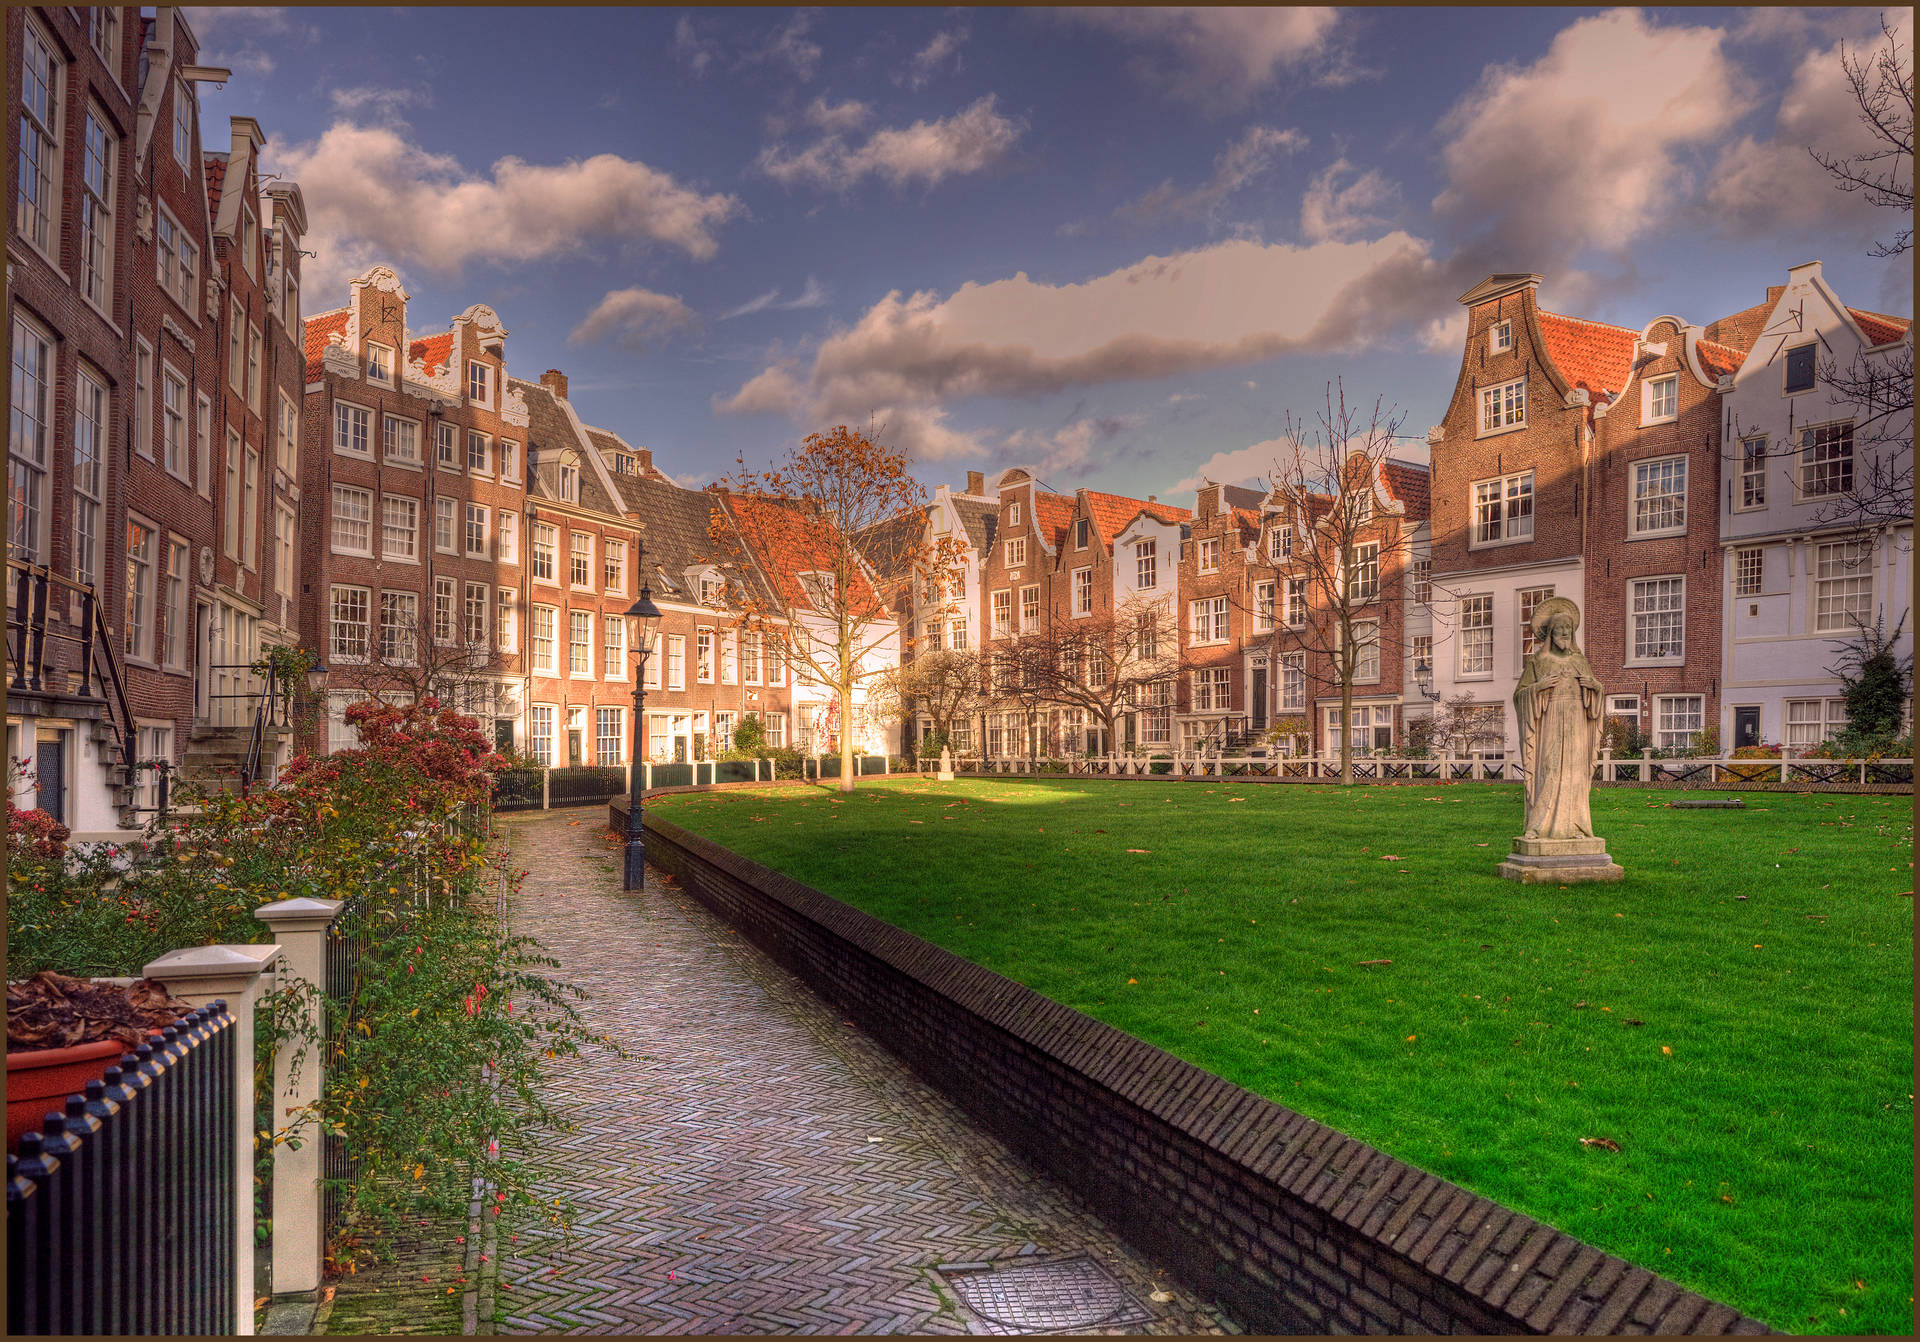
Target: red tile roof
(216, 180)
(1881, 329)
(434, 351)
(319, 327)
(1594, 355)
(1410, 486)
(1112, 512)
(1717, 359)
(1053, 513)
(784, 544)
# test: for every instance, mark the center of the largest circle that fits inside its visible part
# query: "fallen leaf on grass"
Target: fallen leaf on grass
(1373, 962)
(1389, 857)
(1161, 1297)
(1139, 850)
(1604, 1143)
(1666, 1050)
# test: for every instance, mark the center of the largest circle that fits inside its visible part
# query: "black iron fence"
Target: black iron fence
(585, 785)
(120, 1211)
(346, 948)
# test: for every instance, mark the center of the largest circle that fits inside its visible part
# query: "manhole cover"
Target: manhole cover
(1051, 1295)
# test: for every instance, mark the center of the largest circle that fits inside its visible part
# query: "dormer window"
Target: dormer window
(380, 363)
(819, 587)
(1500, 337)
(713, 590)
(1013, 514)
(570, 483)
(479, 383)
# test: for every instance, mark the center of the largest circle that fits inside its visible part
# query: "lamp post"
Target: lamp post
(645, 618)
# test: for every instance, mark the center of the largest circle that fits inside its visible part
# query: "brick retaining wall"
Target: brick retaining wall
(1292, 1226)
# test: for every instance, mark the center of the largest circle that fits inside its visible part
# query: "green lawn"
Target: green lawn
(1737, 1013)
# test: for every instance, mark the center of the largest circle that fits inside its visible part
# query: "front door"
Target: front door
(203, 673)
(1259, 698)
(50, 773)
(1746, 726)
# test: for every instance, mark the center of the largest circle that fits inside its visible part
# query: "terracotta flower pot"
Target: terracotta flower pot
(39, 1081)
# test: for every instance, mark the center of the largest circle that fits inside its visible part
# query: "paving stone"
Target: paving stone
(754, 1165)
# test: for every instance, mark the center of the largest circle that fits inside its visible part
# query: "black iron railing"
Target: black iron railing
(28, 630)
(120, 1211)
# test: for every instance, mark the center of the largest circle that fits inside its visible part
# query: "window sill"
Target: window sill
(352, 455)
(1661, 661)
(1501, 431)
(399, 559)
(449, 468)
(1475, 675)
(1499, 544)
(1659, 419)
(401, 463)
(350, 554)
(1665, 533)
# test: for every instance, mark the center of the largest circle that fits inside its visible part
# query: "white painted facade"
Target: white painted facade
(1779, 560)
(1505, 587)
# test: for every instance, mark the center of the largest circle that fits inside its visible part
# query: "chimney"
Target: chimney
(1774, 291)
(555, 381)
(1153, 498)
(976, 482)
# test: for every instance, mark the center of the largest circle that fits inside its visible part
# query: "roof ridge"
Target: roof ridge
(1590, 321)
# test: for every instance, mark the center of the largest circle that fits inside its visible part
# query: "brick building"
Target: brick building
(1221, 622)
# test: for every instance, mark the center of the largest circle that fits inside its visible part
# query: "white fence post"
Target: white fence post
(300, 926)
(198, 975)
(1606, 764)
(629, 783)
(646, 775)
(1646, 767)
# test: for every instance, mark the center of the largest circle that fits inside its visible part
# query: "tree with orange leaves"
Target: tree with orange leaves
(814, 540)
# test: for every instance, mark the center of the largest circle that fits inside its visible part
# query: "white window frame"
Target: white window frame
(1666, 707)
(1829, 715)
(1364, 581)
(1013, 514)
(446, 447)
(484, 442)
(1422, 581)
(1280, 544)
(676, 657)
(506, 535)
(143, 588)
(1293, 682)
(1209, 621)
(287, 441)
(580, 644)
(446, 524)
(379, 363)
(1296, 603)
(477, 532)
(704, 659)
(92, 437)
(1651, 472)
(580, 560)
(1500, 336)
(353, 430)
(613, 647)
(342, 541)
(543, 639)
(484, 379)
(1812, 439)
(1209, 554)
(509, 460)
(42, 125)
(1029, 608)
(506, 619)
(545, 551)
(613, 559)
(400, 528)
(399, 627)
(1366, 664)
(1476, 636)
(1082, 593)
(1749, 570)
(203, 445)
(1655, 391)
(1528, 600)
(1750, 492)
(445, 616)
(99, 169)
(1016, 552)
(542, 723)
(250, 511)
(1146, 565)
(1842, 578)
(339, 649)
(1000, 605)
(610, 729)
(394, 429)
(1506, 490)
(1635, 616)
(142, 392)
(1264, 595)
(1500, 409)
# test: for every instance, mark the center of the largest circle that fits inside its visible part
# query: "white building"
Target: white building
(1799, 578)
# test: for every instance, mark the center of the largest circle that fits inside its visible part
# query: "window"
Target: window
(1210, 555)
(1002, 614)
(1476, 635)
(1263, 596)
(40, 122)
(750, 657)
(703, 657)
(1083, 591)
(509, 459)
(1423, 581)
(249, 239)
(1626, 707)
(1422, 647)
(1659, 496)
(1209, 620)
(480, 383)
(1363, 583)
(1753, 472)
(479, 453)
(777, 730)
(142, 386)
(1013, 514)
(957, 634)
(1372, 729)
(250, 511)
(546, 550)
(443, 523)
(1504, 406)
(476, 615)
(1293, 682)
(402, 441)
(292, 315)
(1080, 530)
(139, 588)
(203, 445)
(569, 482)
(1503, 509)
(580, 643)
(399, 621)
(713, 590)
(103, 32)
(351, 429)
(1749, 568)
(546, 626)
(350, 623)
(352, 520)
(399, 527)
(90, 427)
(1366, 641)
(1799, 369)
(1361, 505)
(580, 559)
(676, 661)
(540, 734)
(443, 590)
(1660, 399)
(613, 555)
(446, 450)
(1210, 690)
(230, 503)
(613, 647)
(287, 445)
(1530, 599)
(1500, 337)
(1677, 719)
(507, 619)
(1017, 552)
(1826, 460)
(1296, 603)
(151, 743)
(1280, 544)
(476, 531)
(1146, 570)
(1811, 721)
(1658, 616)
(776, 664)
(100, 150)
(380, 363)
(1842, 585)
(609, 737)
(176, 262)
(1029, 609)
(237, 346)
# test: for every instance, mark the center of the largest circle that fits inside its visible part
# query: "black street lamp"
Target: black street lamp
(645, 618)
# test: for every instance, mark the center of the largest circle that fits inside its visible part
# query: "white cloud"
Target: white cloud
(1066, 450)
(790, 46)
(692, 50)
(634, 318)
(384, 102)
(231, 36)
(1583, 148)
(1445, 335)
(1224, 54)
(1234, 303)
(1333, 213)
(812, 295)
(1180, 396)
(375, 196)
(1758, 186)
(943, 47)
(838, 118)
(1245, 465)
(927, 152)
(1252, 153)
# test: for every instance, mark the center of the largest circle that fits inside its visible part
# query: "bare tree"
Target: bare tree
(408, 659)
(1882, 86)
(1348, 557)
(946, 685)
(1102, 665)
(1463, 725)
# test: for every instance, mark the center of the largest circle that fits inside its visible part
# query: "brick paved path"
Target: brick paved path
(755, 1166)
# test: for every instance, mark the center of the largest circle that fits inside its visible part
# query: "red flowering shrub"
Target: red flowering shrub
(35, 832)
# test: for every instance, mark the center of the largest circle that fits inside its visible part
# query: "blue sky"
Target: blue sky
(1115, 246)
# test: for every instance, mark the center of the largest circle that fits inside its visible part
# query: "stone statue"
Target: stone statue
(1560, 708)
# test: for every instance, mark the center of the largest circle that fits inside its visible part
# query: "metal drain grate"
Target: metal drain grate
(1050, 1295)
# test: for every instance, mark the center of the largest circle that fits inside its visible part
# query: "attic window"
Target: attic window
(570, 483)
(1080, 534)
(1013, 514)
(1500, 337)
(713, 591)
(479, 383)
(1800, 369)
(622, 464)
(380, 362)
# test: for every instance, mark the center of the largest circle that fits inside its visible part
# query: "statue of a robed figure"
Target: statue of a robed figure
(1560, 706)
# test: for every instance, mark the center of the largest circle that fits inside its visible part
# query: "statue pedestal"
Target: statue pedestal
(946, 766)
(1560, 862)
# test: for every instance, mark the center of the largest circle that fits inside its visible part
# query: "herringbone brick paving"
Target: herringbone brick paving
(754, 1165)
